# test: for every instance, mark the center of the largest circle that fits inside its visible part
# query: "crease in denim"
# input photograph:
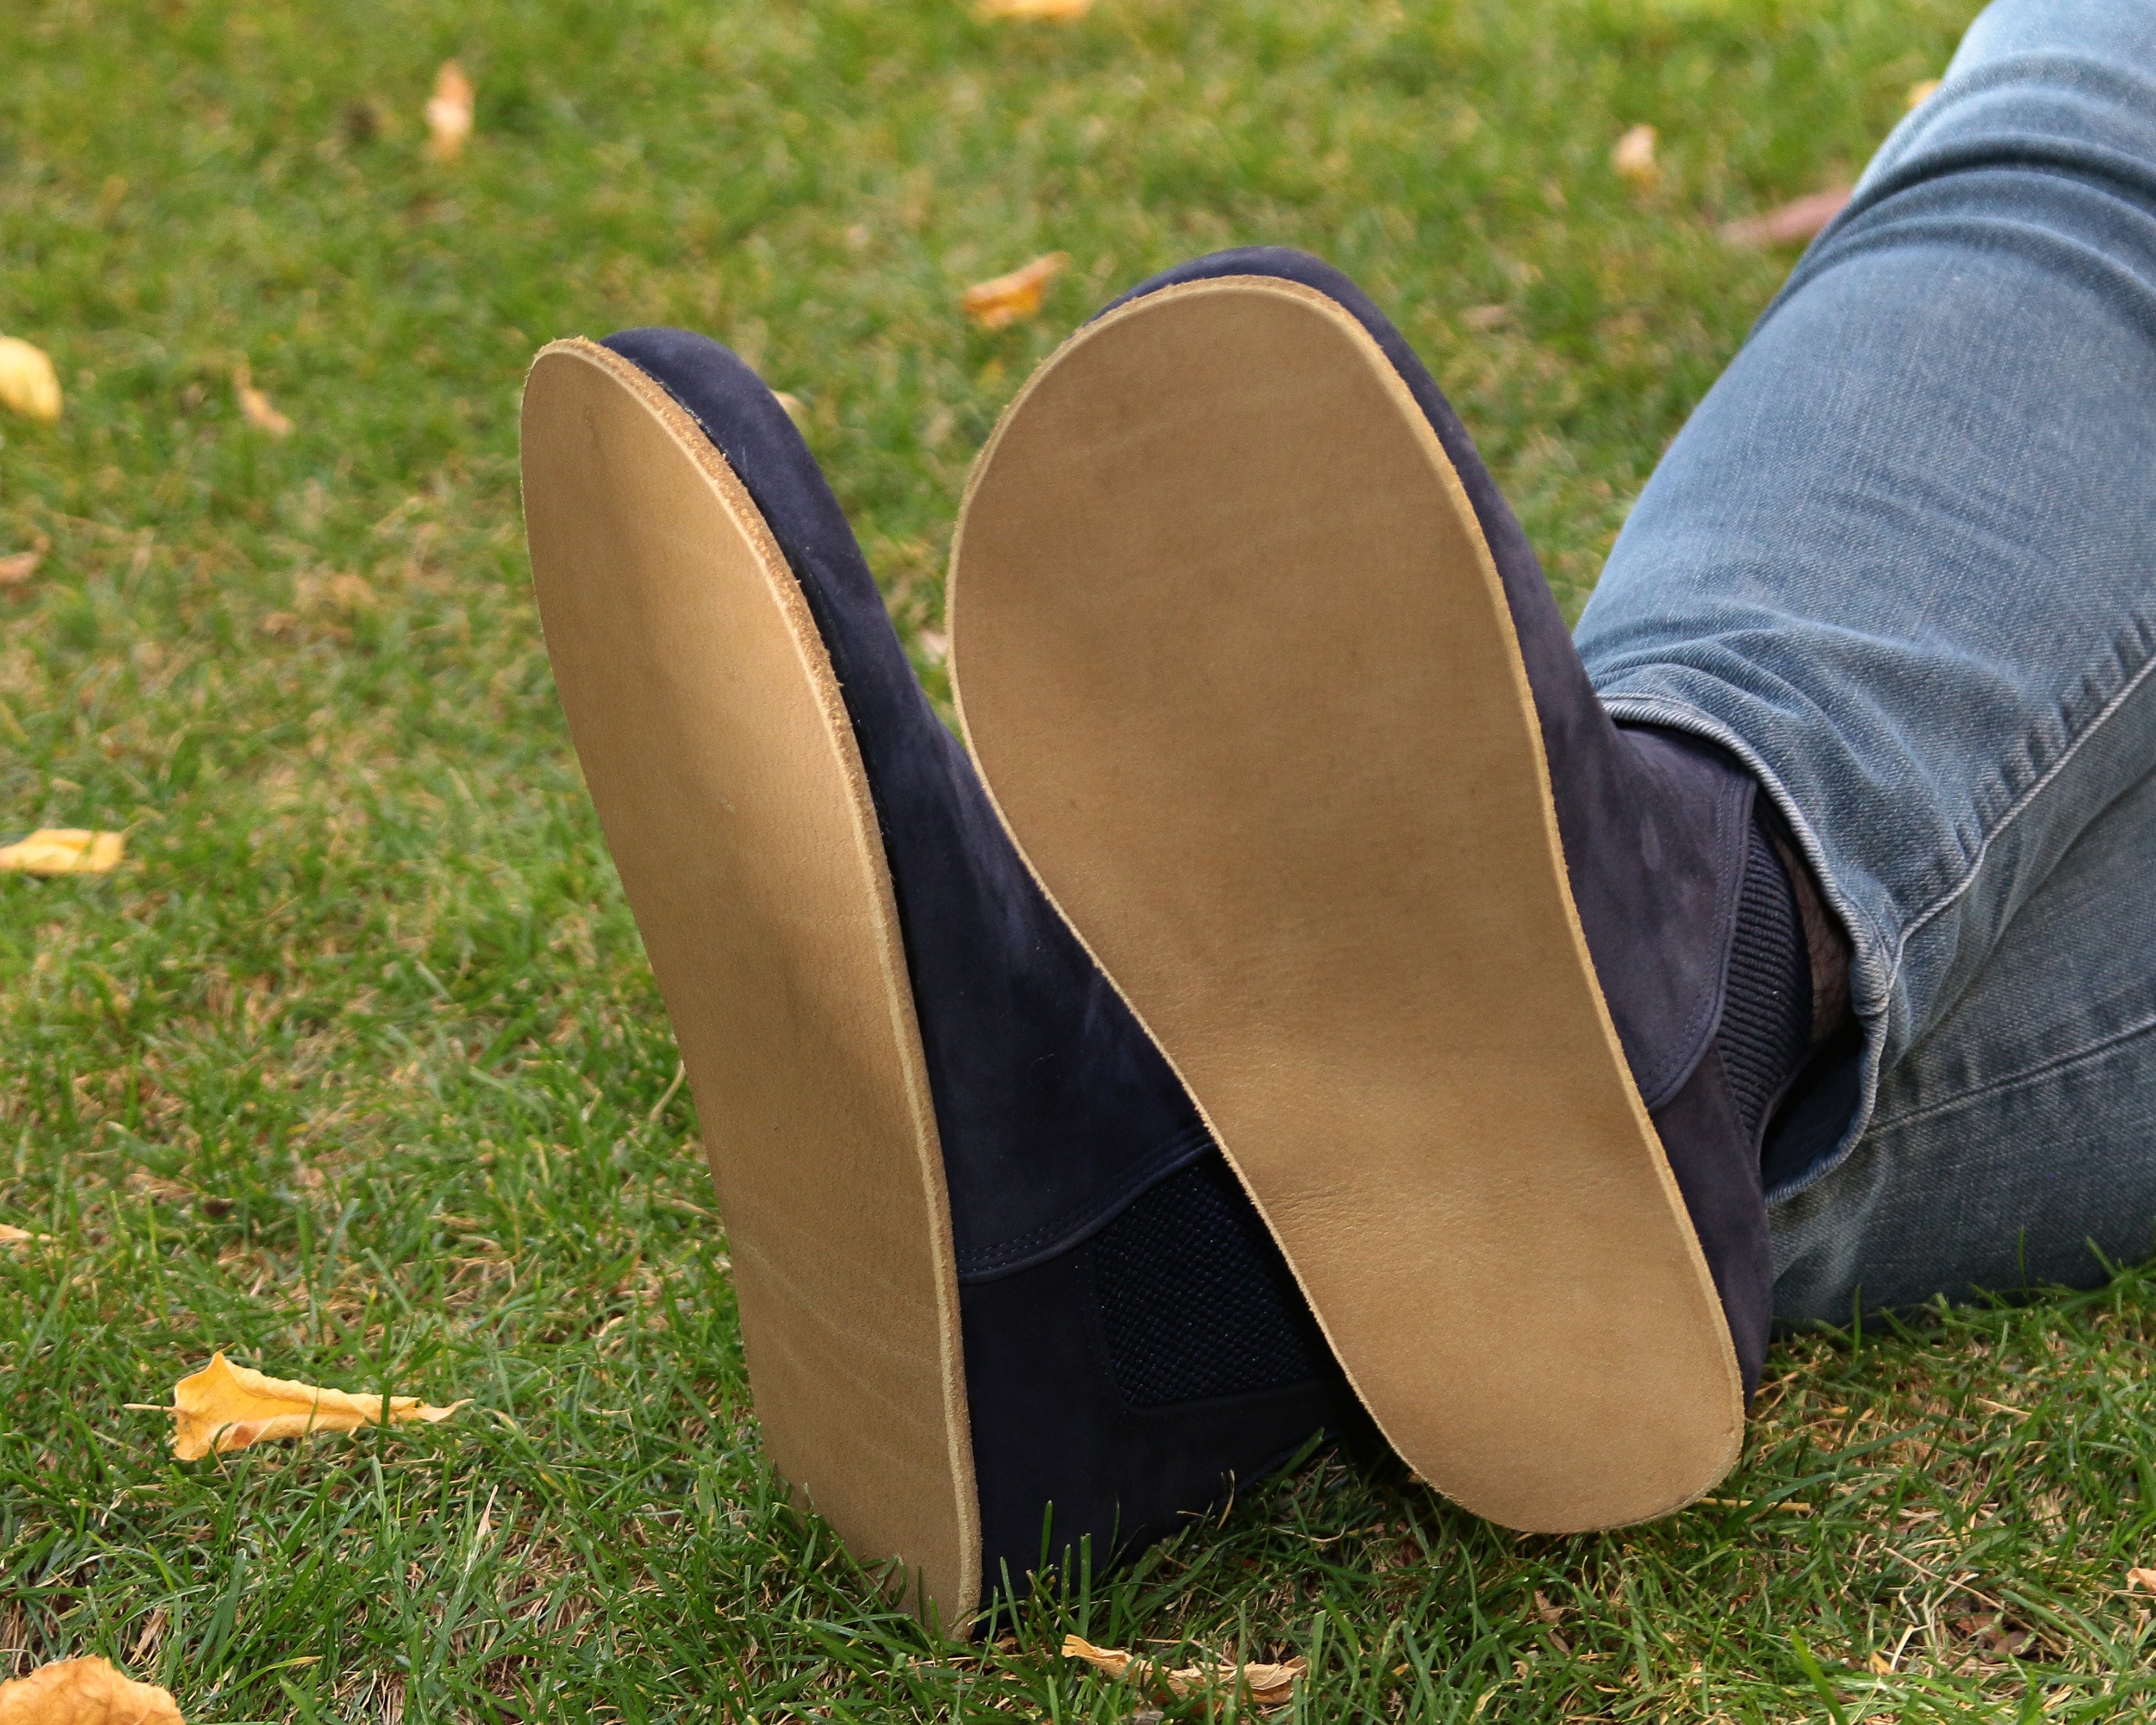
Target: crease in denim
(2117, 284)
(2021, 805)
(2044, 1068)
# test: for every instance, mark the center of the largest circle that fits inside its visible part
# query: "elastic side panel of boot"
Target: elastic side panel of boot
(1766, 1017)
(1196, 1302)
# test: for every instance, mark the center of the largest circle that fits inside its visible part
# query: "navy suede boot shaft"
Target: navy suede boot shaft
(1133, 1340)
(1665, 857)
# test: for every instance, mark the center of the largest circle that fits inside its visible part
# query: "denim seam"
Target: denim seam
(2020, 806)
(2057, 1063)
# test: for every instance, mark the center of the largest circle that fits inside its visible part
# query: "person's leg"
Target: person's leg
(2012, 1146)
(1902, 560)
(1486, 986)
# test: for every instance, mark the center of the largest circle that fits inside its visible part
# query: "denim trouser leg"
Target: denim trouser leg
(2021, 1130)
(1902, 562)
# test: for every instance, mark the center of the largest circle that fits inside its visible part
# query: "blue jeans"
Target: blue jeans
(1903, 563)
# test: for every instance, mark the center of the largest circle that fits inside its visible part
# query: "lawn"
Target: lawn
(355, 1067)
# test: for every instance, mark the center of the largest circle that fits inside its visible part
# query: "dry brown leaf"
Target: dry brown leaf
(18, 569)
(29, 384)
(1061, 12)
(1790, 224)
(1994, 1633)
(1008, 299)
(1920, 92)
(1268, 1685)
(64, 850)
(11, 1235)
(1110, 1661)
(254, 406)
(224, 1407)
(152, 1632)
(1633, 158)
(449, 113)
(1482, 319)
(2141, 1579)
(85, 1692)
(1880, 1664)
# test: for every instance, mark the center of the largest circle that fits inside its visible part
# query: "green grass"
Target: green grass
(356, 1068)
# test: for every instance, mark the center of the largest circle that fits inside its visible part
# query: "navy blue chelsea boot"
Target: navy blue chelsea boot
(1486, 997)
(999, 1291)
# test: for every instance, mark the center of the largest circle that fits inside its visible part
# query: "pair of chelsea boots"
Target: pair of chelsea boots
(1302, 1004)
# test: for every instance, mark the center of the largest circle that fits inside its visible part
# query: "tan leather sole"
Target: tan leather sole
(717, 749)
(1232, 653)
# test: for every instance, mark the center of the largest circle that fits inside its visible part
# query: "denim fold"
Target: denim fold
(1901, 562)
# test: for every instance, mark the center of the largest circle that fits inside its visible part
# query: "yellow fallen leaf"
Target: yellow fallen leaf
(224, 1407)
(1269, 1685)
(1006, 298)
(64, 850)
(19, 568)
(1633, 158)
(2141, 1579)
(29, 384)
(449, 113)
(1920, 92)
(1110, 1661)
(254, 406)
(1790, 224)
(1880, 1665)
(1058, 11)
(85, 1692)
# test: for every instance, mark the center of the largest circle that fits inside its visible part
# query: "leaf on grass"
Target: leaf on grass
(64, 850)
(2141, 1579)
(1920, 92)
(254, 406)
(11, 1235)
(1008, 299)
(1790, 224)
(224, 1407)
(85, 1692)
(1634, 161)
(1062, 11)
(449, 113)
(29, 384)
(1268, 1685)
(1995, 1634)
(19, 568)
